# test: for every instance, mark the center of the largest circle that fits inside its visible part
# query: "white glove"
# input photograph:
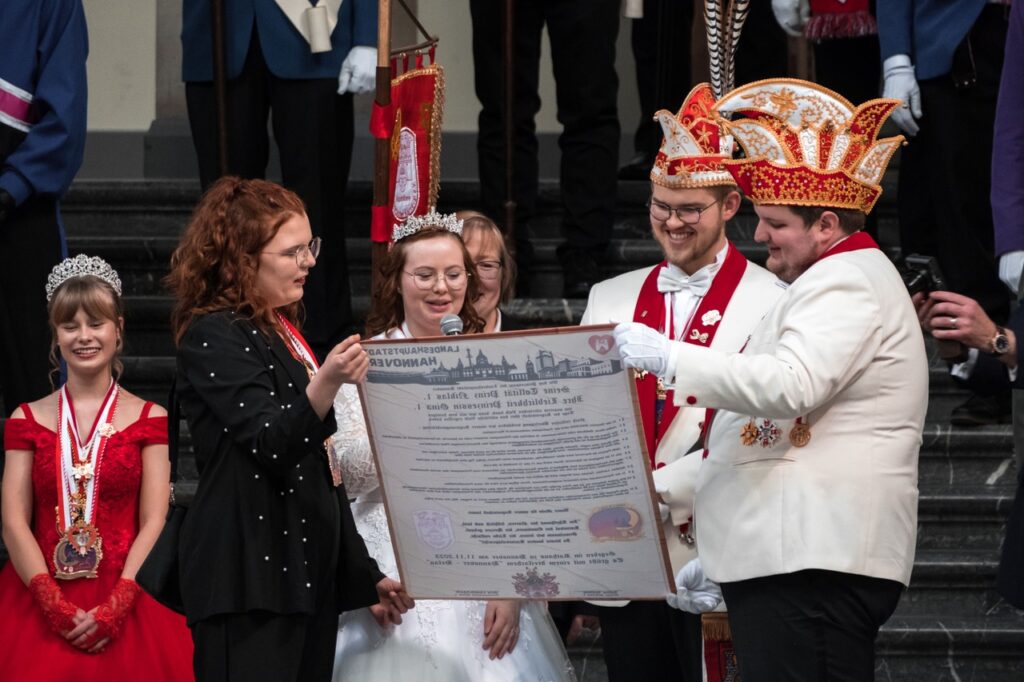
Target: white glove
(663, 509)
(1010, 266)
(695, 593)
(901, 83)
(643, 348)
(792, 15)
(358, 71)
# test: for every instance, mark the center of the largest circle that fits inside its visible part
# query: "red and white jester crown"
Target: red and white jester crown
(806, 145)
(694, 146)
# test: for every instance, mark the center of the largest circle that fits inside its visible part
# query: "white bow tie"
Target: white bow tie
(671, 281)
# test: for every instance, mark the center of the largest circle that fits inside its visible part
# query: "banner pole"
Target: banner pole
(382, 159)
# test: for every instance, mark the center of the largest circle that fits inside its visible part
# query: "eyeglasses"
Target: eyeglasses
(689, 215)
(454, 279)
(489, 270)
(299, 253)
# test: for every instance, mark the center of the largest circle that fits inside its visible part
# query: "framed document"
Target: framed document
(513, 466)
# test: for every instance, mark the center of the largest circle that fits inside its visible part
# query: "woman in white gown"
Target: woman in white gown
(427, 275)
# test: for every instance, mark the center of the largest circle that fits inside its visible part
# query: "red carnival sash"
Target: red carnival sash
(650, 310)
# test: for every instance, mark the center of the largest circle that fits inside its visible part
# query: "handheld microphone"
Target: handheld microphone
(451, 325)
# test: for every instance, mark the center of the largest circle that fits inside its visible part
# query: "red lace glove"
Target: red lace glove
(59, 612)
(111, 614)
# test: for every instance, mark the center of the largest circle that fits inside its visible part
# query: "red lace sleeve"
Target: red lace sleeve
(18, 434)
(152, 431)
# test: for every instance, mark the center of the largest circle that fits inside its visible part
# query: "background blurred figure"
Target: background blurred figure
(660, 40)
(426, 276)
(42, 137)
(495, 269)
(991, 365)
(269, 552)
(583, 35)
(98, 455)
(272, 69)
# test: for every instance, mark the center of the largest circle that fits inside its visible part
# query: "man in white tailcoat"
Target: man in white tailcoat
(806, 505)
(704, 293)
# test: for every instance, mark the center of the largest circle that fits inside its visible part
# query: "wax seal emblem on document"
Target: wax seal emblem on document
(615, 522)
(434, 529)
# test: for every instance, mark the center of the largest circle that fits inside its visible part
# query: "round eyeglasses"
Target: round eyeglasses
(489, 270)
(299, 253)
(454, 279)
(689, 215)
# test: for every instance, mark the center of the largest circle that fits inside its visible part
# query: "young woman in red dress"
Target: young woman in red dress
(85, 491)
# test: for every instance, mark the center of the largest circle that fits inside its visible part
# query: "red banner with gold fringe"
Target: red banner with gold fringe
(412, 122)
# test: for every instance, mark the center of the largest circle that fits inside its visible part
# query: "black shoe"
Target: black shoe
(637, 168)
(580, 270)
(982, 411)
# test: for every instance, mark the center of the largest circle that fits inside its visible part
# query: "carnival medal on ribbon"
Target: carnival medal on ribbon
(80, 549)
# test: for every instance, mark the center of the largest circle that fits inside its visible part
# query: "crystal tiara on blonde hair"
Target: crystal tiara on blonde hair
(430, 219)
(81, 266)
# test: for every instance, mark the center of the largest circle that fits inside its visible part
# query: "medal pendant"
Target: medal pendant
(640, 374)
(79, 552)
(748, 434)
(800, 435)
(662, 392)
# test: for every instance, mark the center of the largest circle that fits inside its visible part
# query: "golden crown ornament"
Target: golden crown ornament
(432, 218)
(81, 266)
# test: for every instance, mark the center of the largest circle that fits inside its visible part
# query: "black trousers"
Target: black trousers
(313, 128)
(661, 51)
(583, 34)
(945, 170)
(646, 640)
(261, 646)
(809, 625)
(30, 245)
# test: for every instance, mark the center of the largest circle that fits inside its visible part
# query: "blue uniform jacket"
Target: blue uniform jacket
(285, 50)
(44, 46)
(926, 30)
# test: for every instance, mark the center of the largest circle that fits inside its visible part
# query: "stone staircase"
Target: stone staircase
(950, 625)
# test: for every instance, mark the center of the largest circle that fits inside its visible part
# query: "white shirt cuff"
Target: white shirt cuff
(963, 370)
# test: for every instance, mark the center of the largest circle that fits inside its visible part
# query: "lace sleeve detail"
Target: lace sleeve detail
(352, 444)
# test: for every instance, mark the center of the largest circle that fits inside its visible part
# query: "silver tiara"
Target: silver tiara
(80, 266)
(431, 219)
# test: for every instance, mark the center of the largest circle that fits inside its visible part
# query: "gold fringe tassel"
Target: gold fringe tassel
(714, 626)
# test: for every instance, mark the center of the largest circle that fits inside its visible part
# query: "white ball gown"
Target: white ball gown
(438, 640)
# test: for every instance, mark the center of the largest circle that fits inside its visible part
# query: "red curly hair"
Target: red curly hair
(388, 310)
(215, 264)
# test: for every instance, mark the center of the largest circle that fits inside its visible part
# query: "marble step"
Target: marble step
(951, 648)
(953, 581)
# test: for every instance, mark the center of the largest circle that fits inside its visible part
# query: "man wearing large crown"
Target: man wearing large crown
(806, 506)
(703, 293)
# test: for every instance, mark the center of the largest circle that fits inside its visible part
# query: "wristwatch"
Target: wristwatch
(1000, 343)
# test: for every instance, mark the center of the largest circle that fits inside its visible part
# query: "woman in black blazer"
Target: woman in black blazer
(269, 554)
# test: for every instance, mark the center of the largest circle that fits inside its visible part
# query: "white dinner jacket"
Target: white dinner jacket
(843, 350)
(614, 300)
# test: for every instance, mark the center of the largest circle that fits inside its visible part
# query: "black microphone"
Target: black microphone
(451, 325)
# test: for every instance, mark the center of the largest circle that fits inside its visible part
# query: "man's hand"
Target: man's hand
(695, 593)
(952, 317)
(358, 71)
(901, 83)
(792, 15)
(1011, 264)
(643, 348)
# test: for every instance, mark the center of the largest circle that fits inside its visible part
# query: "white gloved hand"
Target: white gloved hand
(643, 348)
(1011, 264)
(664, 511)
(901, 83)
(694, 592)
(792, 15)
(358, 71)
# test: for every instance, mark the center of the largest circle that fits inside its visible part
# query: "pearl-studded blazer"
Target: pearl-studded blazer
(266, 530)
